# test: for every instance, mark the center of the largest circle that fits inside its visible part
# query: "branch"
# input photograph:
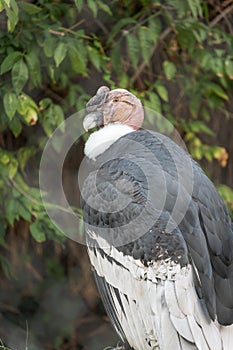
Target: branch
(55, 32)
(102, 26)
(221, 16)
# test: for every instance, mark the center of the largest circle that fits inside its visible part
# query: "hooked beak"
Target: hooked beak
(93, 120)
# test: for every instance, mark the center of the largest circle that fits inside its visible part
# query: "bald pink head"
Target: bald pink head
(121, 106)
(115, 106)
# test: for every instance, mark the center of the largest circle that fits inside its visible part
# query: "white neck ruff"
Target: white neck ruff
(101, 140)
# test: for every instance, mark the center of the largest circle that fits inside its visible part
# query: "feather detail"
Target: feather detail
(227, 337)
(101, 140)
(146, 304)
(178, 318)
(200, 340)
(184, 345)
(170, 337)
(209, 328)
(154, 307)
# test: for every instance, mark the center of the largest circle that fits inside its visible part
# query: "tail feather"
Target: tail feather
(227, 337)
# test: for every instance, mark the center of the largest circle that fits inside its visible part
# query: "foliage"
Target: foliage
(177, 55)
(227, 195)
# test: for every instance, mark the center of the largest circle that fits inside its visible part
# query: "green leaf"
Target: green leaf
(9, 61)
(117, 27)
(19, 75)
(78, 61)
(24, 154)
(205, 114)
(154, 102)
(104, 7)
(14, 6)
(3, 232)
(53, 116)
(60, 53)
(31, 116)
(4, 174)
(145, 43)
(197, 152)
(186, 39)
(227, 195)
(48, 124)
(22, 184)
(217, 90)
(79, 4)
(93, 6)
(169, 69)
(26, 103)
(12, 167)
(94, 57)
(28, 109)
(58, 114)
(124, 80)
(2, 5)
(49, 46)
(24, 213)
(44, 103)
(15, 126)
(12, 19)
(37, 232)
(229, 68)
(180, 6)
(11, 208)
(155, 28)
(10, 102)
(195, 8)
(116, 57)
(162, 91)
(51, 72)
(194, 104)
(7, 267)
(217, 66)
(4, 157)
(29, 8)
(7, 2)
(133, 48)
(34, 67)
(198, 126)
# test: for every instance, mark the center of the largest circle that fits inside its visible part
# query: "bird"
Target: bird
(159, 236)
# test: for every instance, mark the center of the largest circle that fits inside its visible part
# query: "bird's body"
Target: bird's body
(166, 279)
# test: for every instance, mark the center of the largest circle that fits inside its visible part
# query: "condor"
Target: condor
(159, 236)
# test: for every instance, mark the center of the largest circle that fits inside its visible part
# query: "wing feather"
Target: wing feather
(182, 289)
(209, 328)
(188, 316)
(198, 335)
(148, 311)
(169, 334)
(186, 345)
(227, 337)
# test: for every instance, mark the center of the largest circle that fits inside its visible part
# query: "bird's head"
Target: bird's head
(113, 106)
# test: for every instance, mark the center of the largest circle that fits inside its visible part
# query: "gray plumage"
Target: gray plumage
(168, 288)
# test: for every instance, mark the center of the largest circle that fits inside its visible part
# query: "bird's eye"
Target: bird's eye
(116, 99)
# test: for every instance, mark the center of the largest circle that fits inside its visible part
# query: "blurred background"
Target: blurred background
(176, 56)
